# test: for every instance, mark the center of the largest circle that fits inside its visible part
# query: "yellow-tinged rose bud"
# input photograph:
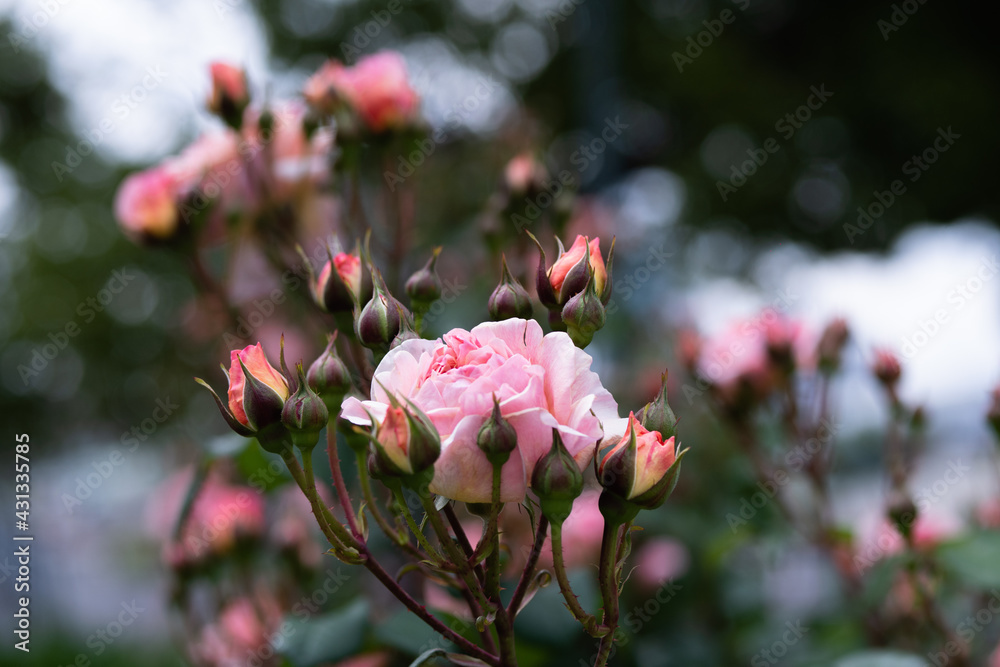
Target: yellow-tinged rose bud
(642, 467)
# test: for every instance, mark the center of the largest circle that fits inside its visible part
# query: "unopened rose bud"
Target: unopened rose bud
(831, 345)
(305, 414)
(257, 394)
(406, 442)
(338, 286)
(642, 468)
(406, 328)
(571, 272)
(886, 368)
(424, 286)
(658, 415)
(497, 438)
(509, 299)
(379, 321)
(329, 377)
(584, 315)
(357, 437)
(230, 95)
(557, 481)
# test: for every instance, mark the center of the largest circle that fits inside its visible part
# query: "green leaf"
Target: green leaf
(327, 637)
(973, 559)
(881, 659)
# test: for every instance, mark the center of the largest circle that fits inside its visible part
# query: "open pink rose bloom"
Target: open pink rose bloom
(542, 382)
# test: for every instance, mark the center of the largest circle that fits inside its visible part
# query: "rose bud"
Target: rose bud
(571, 271)
(886, 368)
(406, 328)
(496, 437)
(557, 481)
(584, 315)
(357, 437)
(305, 414)
(641, 468)
(524, 175)
(658, 415)
(831, 344)
(329, 377)
(229, 95)
(146, 204)
(257, 394)
(509, 299)
(338, 286)
(424, 286)
(406, 442)
(379, 321)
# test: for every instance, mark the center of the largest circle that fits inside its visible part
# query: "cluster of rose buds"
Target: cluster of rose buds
(575, 290)
(498, 414)
(475, 421)
(265, 157)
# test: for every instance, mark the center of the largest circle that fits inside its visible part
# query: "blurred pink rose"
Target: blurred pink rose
(282, 155)
(743, 354)
(221, 514)
(658, 561)
(542, 382)
(582, 533)
(146, 204)
(211, 166)
(377, 88)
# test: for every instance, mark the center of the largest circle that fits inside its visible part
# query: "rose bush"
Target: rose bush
(542, 382)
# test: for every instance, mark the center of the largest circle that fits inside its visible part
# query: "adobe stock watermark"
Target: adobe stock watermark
(786, 127)
(87, 310)
(363, 34)
(626, 286)
(696, 44)
(34, 21)
(561, 12)
(966, 630)
(773, 654)
(960, 295)
(901, 13)
(102, 638)
(888, 539)
(795, 460)
(636, 619)
(130, 441)
(581, 158)
(407, 164)
(121, 108)
(914, 168)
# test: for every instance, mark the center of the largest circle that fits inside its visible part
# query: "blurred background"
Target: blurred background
(826, 159)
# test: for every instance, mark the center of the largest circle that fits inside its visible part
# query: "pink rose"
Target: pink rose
(377, 88)
(146, 204)
(542, 382)
(523, 172)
